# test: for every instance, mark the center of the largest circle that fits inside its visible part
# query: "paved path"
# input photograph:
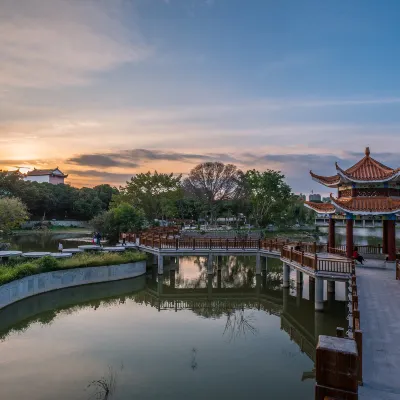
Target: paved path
(379, 302)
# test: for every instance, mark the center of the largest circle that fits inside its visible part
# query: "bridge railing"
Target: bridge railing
(170, 242)
(317, 262)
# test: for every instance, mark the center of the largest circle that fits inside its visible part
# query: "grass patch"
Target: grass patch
(17, 269)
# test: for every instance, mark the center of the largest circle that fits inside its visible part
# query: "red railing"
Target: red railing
(168, 238)
(317, 263)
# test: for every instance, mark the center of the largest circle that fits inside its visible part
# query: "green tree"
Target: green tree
(122, 218)
(45, 200)
(297, 213)
(156, 194)
(189, 208)
(105, 193)
(12, 213)
(269, 194)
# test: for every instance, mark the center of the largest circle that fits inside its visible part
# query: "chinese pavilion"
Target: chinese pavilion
(368, 188)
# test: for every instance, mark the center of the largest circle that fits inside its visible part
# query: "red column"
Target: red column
(391, 240)
(385, 237)
(349, 238)
(331, 237)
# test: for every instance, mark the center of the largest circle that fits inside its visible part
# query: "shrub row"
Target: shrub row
(17, 269)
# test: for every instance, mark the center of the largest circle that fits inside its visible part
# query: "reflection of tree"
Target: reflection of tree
(238, 324)
(105, 387)
(239, 272)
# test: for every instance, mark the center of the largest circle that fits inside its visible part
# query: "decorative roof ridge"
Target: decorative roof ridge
(373, 161)
(387, 172)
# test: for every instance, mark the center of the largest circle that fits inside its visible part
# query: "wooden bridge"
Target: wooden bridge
(310, 258)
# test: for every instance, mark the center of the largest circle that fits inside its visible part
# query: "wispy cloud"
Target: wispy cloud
(46, 43)
(137, 157)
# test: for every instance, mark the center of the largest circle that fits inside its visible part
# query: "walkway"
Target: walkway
(379, 303)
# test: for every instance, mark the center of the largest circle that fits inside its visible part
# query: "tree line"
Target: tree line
(211, 190)
(47, 201)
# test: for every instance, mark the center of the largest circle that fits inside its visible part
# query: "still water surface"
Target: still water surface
(185, 335)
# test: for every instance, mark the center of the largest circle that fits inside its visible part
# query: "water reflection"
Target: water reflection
(362, 236)
(231, 322)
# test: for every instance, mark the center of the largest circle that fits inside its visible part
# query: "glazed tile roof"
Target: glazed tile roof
(323, 208)
(366, 170)
(362, 205)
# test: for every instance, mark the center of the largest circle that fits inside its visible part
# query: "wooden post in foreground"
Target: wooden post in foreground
(358, 340)
(336, 368)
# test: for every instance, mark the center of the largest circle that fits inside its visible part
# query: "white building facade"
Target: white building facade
(53, 176)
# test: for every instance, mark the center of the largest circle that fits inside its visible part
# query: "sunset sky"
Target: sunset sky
(107, 88)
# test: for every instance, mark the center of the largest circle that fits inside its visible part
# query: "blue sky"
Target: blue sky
(107, 88)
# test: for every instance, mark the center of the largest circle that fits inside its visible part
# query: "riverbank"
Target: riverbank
(17, 269)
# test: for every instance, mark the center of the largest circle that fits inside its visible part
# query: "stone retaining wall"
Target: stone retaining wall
(45, 282)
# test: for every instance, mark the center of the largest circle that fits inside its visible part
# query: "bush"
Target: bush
(123, 218)
(47, 264)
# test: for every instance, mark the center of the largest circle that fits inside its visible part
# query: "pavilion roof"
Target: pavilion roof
(367, 205)
(366, 170)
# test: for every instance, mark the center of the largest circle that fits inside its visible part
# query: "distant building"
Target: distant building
(302, 197)
(53, 176)
(314, 197)
(326, 199)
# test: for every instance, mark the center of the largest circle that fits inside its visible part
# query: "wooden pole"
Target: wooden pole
(385, 237)
(391, 239)
(331, 238)
(349, 237)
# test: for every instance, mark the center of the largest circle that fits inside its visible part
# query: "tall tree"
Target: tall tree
(211, 182)
(156, 194)
(269, 195)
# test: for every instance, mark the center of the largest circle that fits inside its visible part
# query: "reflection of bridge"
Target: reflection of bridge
(298, 318)
(218, 302)
(306, 258)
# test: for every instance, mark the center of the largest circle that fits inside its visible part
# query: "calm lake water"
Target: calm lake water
(185, 335)
(367, 236)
